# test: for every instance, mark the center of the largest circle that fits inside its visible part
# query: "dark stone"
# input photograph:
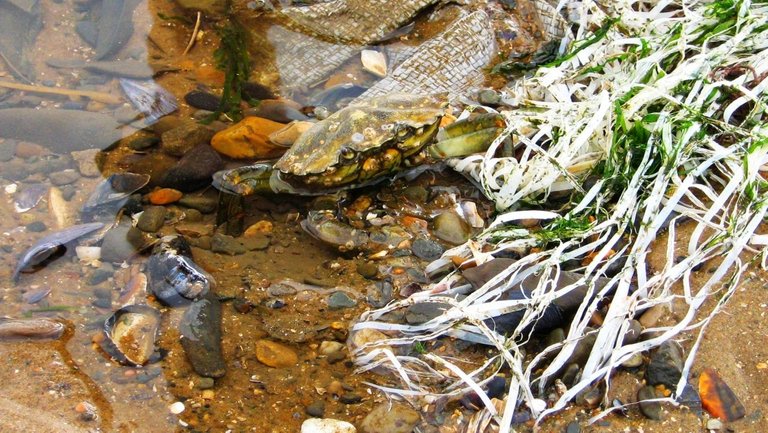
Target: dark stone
(36, 227)
(666, 365)
(203, 100)
(226, 245)
(152, 219)
(182, 139)
(691, 399)
(193, 215)
(350, 398)
(417, 314)
(143, 142)
(633, 333)
(257, 91)
(316, 409)
(200, 330)
(242, 306)
(64, 177)
(194, 170)
(573, 427)
(651, 409)
(275, 304)
(205, 383)
(102, 303)
(416, 194)
(451, 228)
(339, 300)
(335, 357)
(202, 204)
(427, 249)
(570, 375)
(99, 276)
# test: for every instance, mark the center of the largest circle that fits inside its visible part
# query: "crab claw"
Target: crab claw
(324, 226)
(467, 136)
(246, 180)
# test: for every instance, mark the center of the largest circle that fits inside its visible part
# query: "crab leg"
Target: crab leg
(467, 136)
(233, 186)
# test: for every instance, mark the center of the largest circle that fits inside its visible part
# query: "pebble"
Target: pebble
(205, 383)
(416, 194)
(326, 425)
(194, 230)
(193, 171)
(339, 300)
(426, 249)
(202, 204)
(248, 139)
(100, 275)
(651, 317)
(64, 177)
(275, 355)
(36, 227)
(451, 228)
(164, 196)
(329, 347)
(417, 314)
(634, 361)
(181, 139)
(316, 409)
(573, 427)
(86, 162)
(633, 332)
(202, 100)
(666, 365)
(176, 408)
(714, 424)
(651, 409)
(277, 110)
(143, 142)
(120, 243)
(350, 398)
(151, 219)
(26, 150)
(87, 411)
(368, 270)
(193, 215)
(390, 418)
(488, 97)
(262, 227)
(226, 245)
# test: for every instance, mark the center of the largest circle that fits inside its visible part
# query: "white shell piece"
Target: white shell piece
(88, 254)
(374, 62)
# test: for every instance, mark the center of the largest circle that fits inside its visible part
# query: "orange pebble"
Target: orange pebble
(261, 227)
(164, 196)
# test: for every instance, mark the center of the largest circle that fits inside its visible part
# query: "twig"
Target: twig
(194, 35)
(106, 98)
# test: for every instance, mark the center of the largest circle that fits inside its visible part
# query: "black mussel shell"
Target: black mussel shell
(174, 278)
(114, 191)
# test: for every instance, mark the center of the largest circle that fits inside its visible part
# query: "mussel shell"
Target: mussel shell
(39, 328)
(130, 334)
(47, 246)
(149, 98)
(114, 191)
(174, 278)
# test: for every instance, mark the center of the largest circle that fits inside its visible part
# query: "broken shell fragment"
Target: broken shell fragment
(131, 333)
(374, 62)
(31, 329)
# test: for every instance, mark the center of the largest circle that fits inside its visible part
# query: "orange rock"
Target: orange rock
(164, 196)
(248, 139)
(260, 228)
(275, 354)
(717, 397)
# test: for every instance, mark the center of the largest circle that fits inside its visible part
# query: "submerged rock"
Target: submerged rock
(200, 329)
(326, 425)
(249, 139)
(666, 365)
(194, 170)
(275, 355)
(390, 418)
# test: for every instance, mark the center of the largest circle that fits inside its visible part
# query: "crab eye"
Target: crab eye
(347, 153)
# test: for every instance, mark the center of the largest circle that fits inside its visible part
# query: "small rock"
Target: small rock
(390, 418)
(36, 227)
(202, 204)
(335, 357)
(86, 162)
(369, 270)
(714, 424)
(164, 196)
(176, 408)
(326, 425)
(143, 142)
(488, 97)
(651, 409)
(256, 243)
(26, 150)
(416, 194)
(120, 243)
(193, 171)
(275, 355)
(666, 365)
(555, 336)
(64, 177)
(633, 332)
(226, 245)
(193, 215)
(203, 100)
(634, 361)
(591, 397)
(277, 110)
(651, 316)
(426, 249)
(248, 139)
(316, 409)
(339, 300)
(262, 227)
(99, 276)
(417, 314)
(451, 228)
(350, 398)
(194, 230)
(573, 427)
(328, 347)
(181, 139)
(205, 383)
(151, 219)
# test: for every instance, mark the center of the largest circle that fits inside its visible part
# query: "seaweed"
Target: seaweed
(232, 57)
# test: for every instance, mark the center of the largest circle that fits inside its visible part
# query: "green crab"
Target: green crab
(357, 146)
